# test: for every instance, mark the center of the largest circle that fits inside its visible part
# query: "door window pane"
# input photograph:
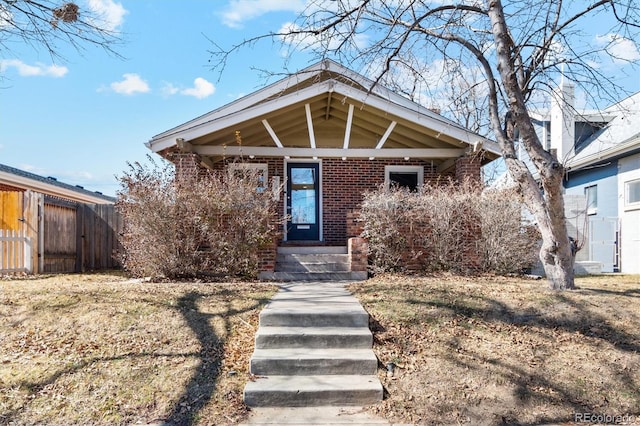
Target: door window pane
(303, 206)
(303, 195)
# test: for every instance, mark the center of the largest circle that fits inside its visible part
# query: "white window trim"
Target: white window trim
(593, 210)
(403, 169)
(264, 167)
(627, 204)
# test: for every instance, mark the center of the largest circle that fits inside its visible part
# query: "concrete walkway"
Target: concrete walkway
(313, 359)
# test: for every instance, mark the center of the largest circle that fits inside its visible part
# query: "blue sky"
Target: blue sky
(83, 118)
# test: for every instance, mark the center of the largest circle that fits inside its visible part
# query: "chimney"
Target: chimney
(563, 120)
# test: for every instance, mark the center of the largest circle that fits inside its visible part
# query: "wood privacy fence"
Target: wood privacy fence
(15, 252)
(59, 235)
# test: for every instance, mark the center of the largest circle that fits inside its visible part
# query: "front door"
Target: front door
(303, 201)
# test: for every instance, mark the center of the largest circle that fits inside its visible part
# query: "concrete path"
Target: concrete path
(313, 358)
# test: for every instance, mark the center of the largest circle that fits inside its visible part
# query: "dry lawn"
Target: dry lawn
(102, 349)
(490, 351)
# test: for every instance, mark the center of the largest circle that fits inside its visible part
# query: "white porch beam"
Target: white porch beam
(272, 133)
(386, 134)
(347, 129)
(259, 151)
(312, 136)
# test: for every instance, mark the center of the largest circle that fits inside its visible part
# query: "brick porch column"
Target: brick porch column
(468, 167)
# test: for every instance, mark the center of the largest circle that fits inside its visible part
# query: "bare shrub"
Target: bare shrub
(510, 241)
(447, 226)
(207, 222)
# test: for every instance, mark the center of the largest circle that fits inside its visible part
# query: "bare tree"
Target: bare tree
(46, 24)
(519, 48)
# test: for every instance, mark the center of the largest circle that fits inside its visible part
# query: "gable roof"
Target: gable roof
(325, 110)
(621, 135)
(17, 178)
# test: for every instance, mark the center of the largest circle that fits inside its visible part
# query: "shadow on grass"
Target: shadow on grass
(527, 384)
(202, 384)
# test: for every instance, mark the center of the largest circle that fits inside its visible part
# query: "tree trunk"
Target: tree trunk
(547, 205)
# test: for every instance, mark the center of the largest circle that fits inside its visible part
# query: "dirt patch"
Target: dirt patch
(494, 350)
(103, 349)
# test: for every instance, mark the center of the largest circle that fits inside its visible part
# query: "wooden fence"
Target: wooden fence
(63, 236)
(15, 252)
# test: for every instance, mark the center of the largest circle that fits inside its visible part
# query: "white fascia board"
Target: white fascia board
(48, 189)
(244, 102)
(619, 149)
(434, 153)
(417, 114)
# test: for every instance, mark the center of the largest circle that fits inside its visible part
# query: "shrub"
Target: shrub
(208, 222)
(447, 226)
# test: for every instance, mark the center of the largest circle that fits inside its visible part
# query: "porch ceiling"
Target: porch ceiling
(329, 119)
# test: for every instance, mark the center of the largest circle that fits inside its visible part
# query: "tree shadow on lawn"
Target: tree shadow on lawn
(202, 385)
(529, 385)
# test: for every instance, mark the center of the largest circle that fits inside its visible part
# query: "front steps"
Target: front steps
(313, 263)
(313, 348)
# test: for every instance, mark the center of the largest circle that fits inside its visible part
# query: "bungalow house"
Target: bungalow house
(328, 135)
(601, 153)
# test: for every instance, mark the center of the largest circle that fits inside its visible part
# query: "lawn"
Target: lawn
(102, 349)
(492, 350)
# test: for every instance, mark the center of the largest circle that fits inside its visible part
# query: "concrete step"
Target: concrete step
(313, 337)
(313, 257)
(309, 317)
(312, 250)
(312, 276)
(321, 266)
(308, 391)
(306, 361)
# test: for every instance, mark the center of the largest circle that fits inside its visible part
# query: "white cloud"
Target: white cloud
(306, 40)
(38, 69)
(169, 89)
(131, 84)
(109, 13)
(621, 49)
(6, 17)
(240, 11)
(201, 89)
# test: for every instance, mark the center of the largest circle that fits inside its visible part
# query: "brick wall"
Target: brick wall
(343, 184)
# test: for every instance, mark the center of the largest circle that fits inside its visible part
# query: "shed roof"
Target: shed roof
(50, 186)
(325, 110)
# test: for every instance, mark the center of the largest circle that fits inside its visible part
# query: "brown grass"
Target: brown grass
(102, 349)
(504, 351)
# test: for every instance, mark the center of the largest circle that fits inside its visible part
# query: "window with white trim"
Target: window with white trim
(632, 193)
(591, 192)
(410, 177)
(260, 170)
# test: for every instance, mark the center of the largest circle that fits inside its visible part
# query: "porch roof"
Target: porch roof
(325, 110)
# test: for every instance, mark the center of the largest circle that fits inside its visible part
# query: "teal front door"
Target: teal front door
(303, 202)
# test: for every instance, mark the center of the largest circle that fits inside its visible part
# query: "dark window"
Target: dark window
(407, 180)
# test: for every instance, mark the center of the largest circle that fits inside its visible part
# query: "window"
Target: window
(260, 170)
(632, 193)
(591, 192)
(410, 177)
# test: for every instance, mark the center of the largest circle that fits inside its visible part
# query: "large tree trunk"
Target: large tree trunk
(547, 205)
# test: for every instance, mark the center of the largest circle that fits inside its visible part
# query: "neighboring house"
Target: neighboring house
(12, 179)
(50, 226)
(601, 153)
(328, 136)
